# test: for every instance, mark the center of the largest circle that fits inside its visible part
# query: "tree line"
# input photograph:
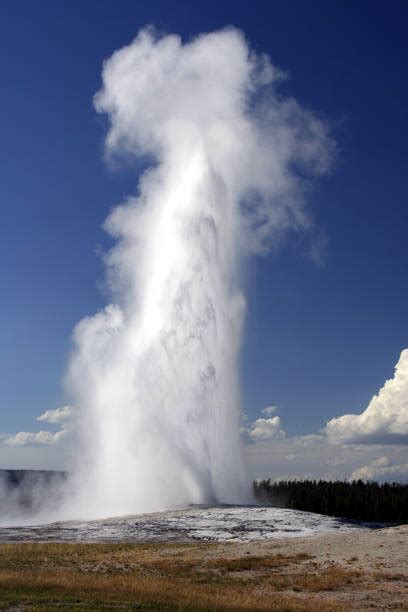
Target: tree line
(359, 500)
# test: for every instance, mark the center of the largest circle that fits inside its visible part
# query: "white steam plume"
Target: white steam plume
(154, 374)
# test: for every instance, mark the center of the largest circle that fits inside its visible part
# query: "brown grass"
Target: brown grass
(147, 591)
(255, 563)
(163, 577)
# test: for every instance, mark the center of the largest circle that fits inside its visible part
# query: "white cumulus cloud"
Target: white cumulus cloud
(385, 420)
(269, 428)
(27, 438)
(58, 415)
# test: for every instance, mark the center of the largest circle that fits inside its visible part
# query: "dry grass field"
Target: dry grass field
(279, 575)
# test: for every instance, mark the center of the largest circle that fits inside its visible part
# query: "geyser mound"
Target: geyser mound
(154, 374)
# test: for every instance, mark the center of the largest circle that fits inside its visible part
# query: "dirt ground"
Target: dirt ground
(379, 556)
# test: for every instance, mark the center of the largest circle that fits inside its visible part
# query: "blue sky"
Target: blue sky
(320, 338)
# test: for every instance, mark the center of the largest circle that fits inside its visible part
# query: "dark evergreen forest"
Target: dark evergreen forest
(362, 501)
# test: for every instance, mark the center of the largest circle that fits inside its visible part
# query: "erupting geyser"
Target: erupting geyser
(154, 375)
